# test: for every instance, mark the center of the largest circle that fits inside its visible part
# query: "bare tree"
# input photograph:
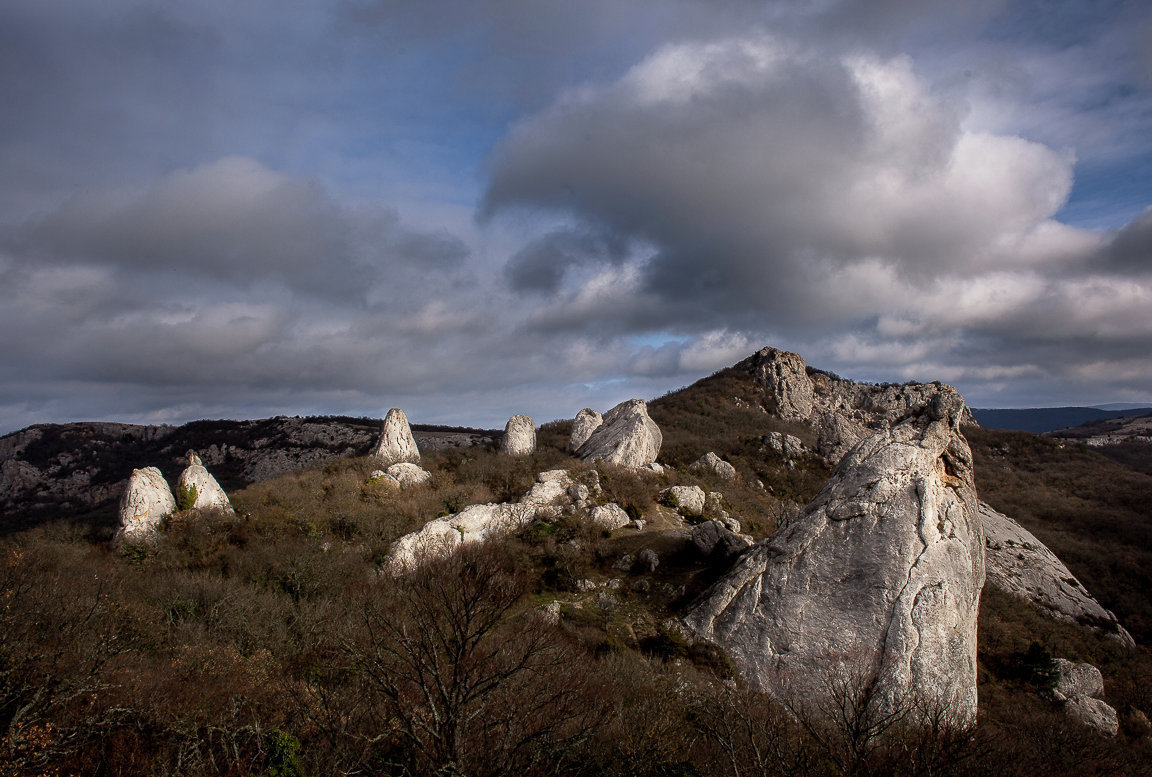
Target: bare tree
(466, 685)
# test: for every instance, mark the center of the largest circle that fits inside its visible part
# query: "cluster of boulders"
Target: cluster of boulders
(625, 436)
(147, 499)
(398, 453)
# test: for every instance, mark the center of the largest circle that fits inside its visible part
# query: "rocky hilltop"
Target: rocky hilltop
(81, 469)
(842, 412)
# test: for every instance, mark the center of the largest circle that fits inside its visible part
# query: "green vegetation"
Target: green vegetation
(185, 497)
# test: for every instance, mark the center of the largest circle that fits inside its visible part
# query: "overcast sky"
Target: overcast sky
(474, 208)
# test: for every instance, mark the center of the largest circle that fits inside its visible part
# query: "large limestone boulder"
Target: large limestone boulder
(519, 436)
(208, 494)
(144, 503)
(880, 578)
(688, 500)
(626, 438)
(1021, 565)
(610, 516)
(396, 441)
(586, 422)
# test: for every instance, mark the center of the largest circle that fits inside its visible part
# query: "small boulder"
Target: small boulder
(710, 462)
(519, 436)
(586, 422)
(396, 440)
(786, 445)
(144, 503)
(647, 561)
(1076, 685)
(688, 500)
(626, 438)
(206, 493)
(407, 474)
(610, 516)
(713, 537)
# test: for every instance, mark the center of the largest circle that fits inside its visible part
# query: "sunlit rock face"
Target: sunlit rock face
(519, 436)
(842, 412)
(879, 578)
(585, 423)
(1023, 566)
(145, 502)
(209, 494)
(627, 437)
(396, 441)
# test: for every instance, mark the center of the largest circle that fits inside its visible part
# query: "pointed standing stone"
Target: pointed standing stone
(145, 502)
(519, 436)
(396, 441)
(586, 422)
(209, 495)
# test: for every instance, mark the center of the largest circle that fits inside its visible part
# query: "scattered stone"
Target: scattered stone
(396, 441)
(585, 585)
(627, 437)
(714, 538)
(647, 561)
(688, 500)
(624, 563)
(550, 613)
(586, 422)
(144, 503)
(710, 462)
(209, 495)
(407, 474)
(610, 516)
(1021, 565)
(606, 601)
(519, 436)
(785, 444)
(638, 524)
(882, 574)
(656, 468)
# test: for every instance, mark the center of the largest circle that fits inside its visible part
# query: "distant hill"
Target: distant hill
(1048, 419)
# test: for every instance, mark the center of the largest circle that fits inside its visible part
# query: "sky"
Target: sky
(475, 208)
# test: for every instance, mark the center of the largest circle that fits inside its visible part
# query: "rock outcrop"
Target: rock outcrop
(715, 538)
(519, 436)
(1077, 685)
(477, 523)
(405, 473)
(1021, 565)
(586, 422)
(146, 500)
(841, 411)
(199, 484)
(710, 462)
(610, 516)
(396, 441)
(688, 500)
(627, 437)
(880, 577)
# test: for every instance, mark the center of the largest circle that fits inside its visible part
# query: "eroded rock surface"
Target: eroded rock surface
(688, 500)
(146, 500)
(1021, 565)
(396, 441)
(405, 473)
(627, 437)
(842, 412)
(209, 494)
(519, 436)
(586, 422)
(880, 576)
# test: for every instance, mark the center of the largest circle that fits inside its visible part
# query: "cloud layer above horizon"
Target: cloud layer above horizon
(219, 212)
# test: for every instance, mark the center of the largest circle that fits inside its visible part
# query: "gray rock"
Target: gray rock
(881, 576)
(610, 516)
(145, 502)
(519, 436)
(626, 438)
(1076, 685)
(655, 467)
(396, 441)
(408, 474)
(209, 495)
(1021, 565)
(710, 462)
(586, 422)
(713, 537)
(647, 561)
(688, 500)
(786, 445)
